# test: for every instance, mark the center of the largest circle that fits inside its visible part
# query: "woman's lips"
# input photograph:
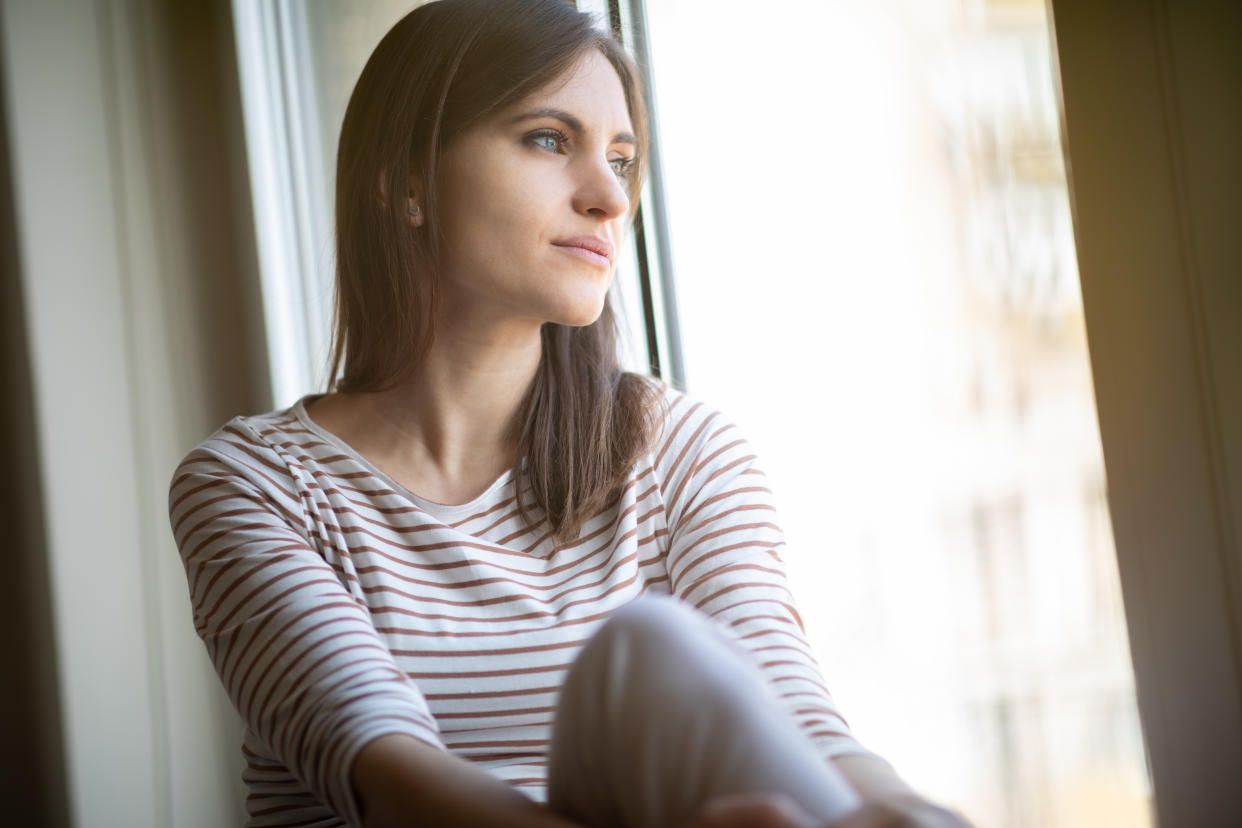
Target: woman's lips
(591, 248)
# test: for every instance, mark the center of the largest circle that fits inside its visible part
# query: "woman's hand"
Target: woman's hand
(900, 812)
(753, 811)
(779, 811)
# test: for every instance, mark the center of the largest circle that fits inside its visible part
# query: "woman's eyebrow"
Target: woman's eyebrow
(574, 124)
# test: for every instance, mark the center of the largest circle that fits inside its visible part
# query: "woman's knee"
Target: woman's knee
(659, 643)
(654, 624)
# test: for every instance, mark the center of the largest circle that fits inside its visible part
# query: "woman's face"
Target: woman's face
(533, 204)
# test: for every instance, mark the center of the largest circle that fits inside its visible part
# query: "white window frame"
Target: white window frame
(288, 172)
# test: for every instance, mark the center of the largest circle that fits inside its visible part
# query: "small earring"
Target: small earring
(413, 209)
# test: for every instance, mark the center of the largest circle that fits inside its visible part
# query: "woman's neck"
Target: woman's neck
(450, 429)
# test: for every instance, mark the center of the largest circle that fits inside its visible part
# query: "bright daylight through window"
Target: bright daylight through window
(876, 276)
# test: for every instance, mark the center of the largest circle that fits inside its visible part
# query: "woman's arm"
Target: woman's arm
(724, 557)
(301, 659)
(297, 653)
(400, 782)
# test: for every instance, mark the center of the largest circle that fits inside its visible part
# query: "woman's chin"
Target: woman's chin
(580, 314)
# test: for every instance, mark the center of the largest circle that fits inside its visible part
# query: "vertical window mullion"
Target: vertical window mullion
(288, 179)
(653, 253)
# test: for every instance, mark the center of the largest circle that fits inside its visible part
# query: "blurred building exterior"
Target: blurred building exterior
(1040, 631)
(919, 386)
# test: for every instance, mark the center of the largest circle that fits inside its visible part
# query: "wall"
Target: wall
(31, 764)
(135, 262)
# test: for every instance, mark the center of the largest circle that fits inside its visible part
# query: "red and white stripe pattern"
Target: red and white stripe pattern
(338, 607)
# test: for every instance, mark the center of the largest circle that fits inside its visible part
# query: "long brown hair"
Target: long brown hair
(441, 69)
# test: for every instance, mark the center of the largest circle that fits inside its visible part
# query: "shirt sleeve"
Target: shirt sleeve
(725, 559)
(297, 653)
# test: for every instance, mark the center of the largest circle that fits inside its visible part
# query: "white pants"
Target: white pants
(663, 712)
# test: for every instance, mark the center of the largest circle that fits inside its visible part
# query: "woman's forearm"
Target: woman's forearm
(401, 782)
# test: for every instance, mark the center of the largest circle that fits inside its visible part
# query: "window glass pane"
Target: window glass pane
(339, 39)
(876, 277)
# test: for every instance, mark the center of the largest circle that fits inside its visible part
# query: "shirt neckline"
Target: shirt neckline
(443, 511)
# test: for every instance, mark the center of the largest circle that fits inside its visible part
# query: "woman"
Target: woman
(394, 579)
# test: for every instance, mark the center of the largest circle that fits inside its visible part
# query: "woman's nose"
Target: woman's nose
(600, 192)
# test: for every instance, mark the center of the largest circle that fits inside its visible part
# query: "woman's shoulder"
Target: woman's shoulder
(257, 447)
(685, 421)
(700, 457)
(692, 435)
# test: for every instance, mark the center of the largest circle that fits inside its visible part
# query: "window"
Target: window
(876, 279)
(866, 213)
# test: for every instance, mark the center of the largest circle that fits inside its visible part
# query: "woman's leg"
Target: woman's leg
(661, 713)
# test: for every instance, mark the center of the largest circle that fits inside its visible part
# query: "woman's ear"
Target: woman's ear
(414, 203)
(415, 211)
(381, 187)
(413, 200)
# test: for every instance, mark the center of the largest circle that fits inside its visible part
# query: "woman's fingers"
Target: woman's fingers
(753, 811)
(905, 812)
(780, 811)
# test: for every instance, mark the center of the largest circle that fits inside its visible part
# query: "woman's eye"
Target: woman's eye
(551, 141)
(621, 166)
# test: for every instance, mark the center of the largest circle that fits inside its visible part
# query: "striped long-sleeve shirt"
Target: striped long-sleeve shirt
(338, 607)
